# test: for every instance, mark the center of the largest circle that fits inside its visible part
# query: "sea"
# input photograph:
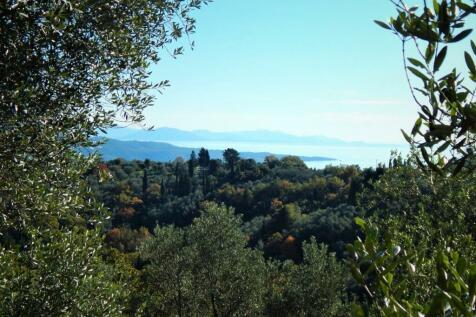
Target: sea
(364, 155)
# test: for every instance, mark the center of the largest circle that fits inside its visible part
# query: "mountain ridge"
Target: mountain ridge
(166, 134)
(165, 152)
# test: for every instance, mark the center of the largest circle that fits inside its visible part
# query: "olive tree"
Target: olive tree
(204, 269)
(69, 69)
(416, 256)
(445, 131)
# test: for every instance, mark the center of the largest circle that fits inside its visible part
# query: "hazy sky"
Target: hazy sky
(307, 67)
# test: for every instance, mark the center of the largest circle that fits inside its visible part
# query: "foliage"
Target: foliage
(413, 280)
(313, 288)
(321, 204)
(59, 273)
(69, 69)
(447, 119)
(231, 157)
(204, 269)
(414, 219)
(416, 255)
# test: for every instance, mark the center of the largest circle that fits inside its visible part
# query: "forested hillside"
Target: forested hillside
(251, 218)
(281, 202)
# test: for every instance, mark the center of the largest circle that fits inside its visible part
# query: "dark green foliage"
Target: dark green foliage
(192, 164)
(204, 269)
(313, 288)
(320, 205)
(231, 158)
(203, 158)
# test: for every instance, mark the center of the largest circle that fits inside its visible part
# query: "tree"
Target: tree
(69, 69)
(192, 163)
(58, 274)
(416, 257)
(291, 161)
(204, 269)
(315, 287)
(231, 157)
(204, 162)
(145, 178)
(203, 158)
(445, 131)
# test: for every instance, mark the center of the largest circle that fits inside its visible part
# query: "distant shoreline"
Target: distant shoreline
(166, 152)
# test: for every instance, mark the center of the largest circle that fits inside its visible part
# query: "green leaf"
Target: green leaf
(416, 62)
(439, 59)
(359, 222)
(417, 73)
(461, 36)
(470, 62)
(389, 278)
(473, 47)
(406, 136)
(383, 24)
(358, 311)
(429, 52)
(436, 6)
(417, 126)
(465, 7)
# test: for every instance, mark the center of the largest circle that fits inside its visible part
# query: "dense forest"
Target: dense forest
(280, 201)
(221, 237)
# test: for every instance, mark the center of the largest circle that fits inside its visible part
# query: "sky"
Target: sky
(305, 67)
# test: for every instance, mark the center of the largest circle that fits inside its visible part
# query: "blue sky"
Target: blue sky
(307, 67)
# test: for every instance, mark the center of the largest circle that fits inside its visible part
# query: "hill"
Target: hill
(259, 136)
(165, 152)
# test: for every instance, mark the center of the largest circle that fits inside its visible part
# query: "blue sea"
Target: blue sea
(362, 155)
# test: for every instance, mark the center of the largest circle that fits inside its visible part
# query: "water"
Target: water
(362, 155)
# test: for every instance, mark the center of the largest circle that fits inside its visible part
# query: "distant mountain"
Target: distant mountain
(164, 152)
(258, 136)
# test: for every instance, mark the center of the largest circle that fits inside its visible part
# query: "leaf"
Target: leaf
(416, 62)
(461, 36)
(430, 51)
(356, 274)
(423, 31)
(417, 73)
(465, 7)
(396, 250)
(436, 6)
(417, 126)
(439, 59)
(389, 278)
(406, 136)
(470, 62)
(425, 155)
(383, 24)
(473, 47)
(360, 222)
(358, 311)
(443, 147)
